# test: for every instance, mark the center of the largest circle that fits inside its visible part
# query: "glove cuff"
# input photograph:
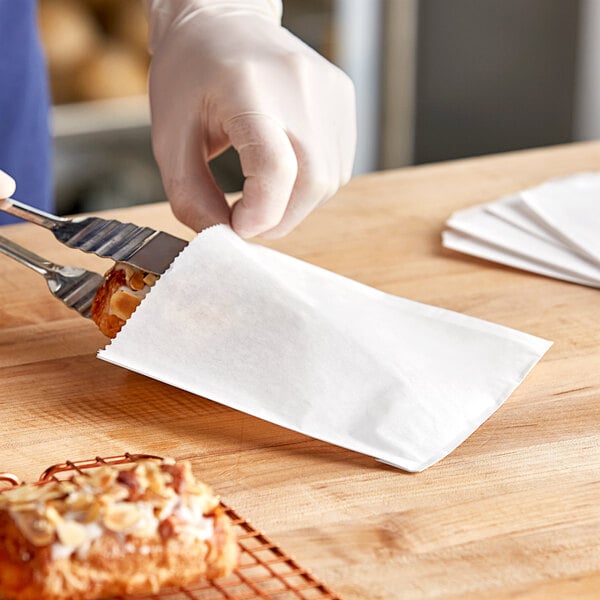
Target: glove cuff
(163, 14)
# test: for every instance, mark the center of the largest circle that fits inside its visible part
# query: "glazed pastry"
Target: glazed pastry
(110, 531)
(123, 290)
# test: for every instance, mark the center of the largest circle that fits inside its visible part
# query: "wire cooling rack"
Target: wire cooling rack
(264, 571)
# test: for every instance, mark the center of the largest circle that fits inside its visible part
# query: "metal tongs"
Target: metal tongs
(141, 247)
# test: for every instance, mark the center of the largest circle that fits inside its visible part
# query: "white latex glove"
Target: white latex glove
(7, 185)
(225, 73)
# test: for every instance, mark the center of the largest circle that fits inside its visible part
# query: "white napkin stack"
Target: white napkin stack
(321, 354)
(552, 229)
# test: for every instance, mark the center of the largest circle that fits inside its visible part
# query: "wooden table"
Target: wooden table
(514, 512)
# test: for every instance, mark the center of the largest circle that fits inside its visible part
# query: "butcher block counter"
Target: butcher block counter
(514, 512)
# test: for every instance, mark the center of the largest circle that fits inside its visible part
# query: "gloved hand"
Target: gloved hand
(7, 185)
(224, 72)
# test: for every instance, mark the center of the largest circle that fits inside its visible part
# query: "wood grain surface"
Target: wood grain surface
(514, 512)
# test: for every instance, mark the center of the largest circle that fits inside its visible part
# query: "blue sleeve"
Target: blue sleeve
(25, 142)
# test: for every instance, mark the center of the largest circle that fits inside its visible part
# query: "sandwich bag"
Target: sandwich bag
(321, 354)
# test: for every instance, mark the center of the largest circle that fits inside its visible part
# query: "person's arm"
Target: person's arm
(7, 185)
(226, 73)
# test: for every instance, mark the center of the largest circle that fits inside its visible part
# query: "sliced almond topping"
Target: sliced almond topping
(114, 494)
(129, 271)
(24, 494)
(121, 516)
(150, 279)
(122, 304)
(157, 483)
(141, 476)
(136, 281)
(24, 507)
(35, 528)
(71, 533)
(80, 501)
(93, 513)
(26, 497)
(100, 478)
(53, 516)
(53, 491)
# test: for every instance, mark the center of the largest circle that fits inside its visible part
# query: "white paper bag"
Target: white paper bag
(321, 354)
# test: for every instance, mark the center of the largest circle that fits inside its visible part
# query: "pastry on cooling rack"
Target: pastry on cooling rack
(123, 290)
(112, 530)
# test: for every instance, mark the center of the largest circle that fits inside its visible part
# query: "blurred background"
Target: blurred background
(435, 80)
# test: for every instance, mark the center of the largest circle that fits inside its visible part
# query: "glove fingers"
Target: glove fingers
(324, 164)
(196, 199)
(270, 168)
(317, 181)
(198, 202)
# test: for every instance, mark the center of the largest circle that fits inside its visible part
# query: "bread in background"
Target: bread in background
(130, 25)
(96, 49)
(114, 71)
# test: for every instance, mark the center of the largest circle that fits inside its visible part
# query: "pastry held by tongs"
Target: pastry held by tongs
(142, 254)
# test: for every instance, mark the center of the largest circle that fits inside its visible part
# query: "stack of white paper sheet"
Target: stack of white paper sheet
(552, 229)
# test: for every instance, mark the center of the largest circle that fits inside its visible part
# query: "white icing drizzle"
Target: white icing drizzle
(137, 293)
(93, 532)
(193, 523)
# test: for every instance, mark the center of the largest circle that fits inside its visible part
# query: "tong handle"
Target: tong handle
(31, 214)
(25, 257)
